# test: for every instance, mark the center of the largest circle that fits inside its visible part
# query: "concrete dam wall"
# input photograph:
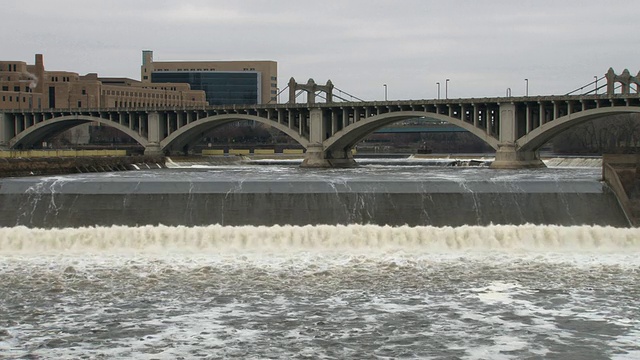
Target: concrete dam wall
(107, 202)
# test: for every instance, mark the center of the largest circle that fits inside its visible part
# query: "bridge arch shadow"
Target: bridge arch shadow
(190, 132)
(46, 129)
(541, 135)
(350, 135)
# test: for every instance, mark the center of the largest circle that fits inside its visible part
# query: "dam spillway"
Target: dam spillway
(265, 195)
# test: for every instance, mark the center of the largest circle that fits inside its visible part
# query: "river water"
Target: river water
(321, 291)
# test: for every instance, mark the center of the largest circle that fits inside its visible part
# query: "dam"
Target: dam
(393, 192)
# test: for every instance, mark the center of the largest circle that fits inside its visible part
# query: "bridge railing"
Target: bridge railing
(593, 90)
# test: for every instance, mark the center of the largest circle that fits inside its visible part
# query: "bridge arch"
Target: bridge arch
(186, 134)
(352, 134)
(42, 130)
(539, 136)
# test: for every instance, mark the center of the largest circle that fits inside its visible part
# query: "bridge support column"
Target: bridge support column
(508, 157)
(6, 132)
(317, 156)
(154, 134)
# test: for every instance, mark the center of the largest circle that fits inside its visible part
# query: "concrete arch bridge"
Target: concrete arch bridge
(516, 127)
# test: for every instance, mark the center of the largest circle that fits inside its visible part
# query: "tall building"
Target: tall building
(224, 82)
(24, 86)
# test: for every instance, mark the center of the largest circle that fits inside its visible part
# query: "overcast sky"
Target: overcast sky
(483, 47)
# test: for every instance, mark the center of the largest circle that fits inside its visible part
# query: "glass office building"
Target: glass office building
(221, 87)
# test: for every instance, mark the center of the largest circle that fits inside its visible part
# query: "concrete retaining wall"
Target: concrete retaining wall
(12, 167)
(622, 173)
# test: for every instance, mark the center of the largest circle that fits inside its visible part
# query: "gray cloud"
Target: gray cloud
(483, 47)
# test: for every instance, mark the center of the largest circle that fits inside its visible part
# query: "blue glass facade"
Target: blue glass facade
(221, 88)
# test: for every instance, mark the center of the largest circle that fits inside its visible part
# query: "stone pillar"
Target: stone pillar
(334, 122)
(476, 115)
(528, 119)
(6, 131)
(316, 126)
(543, 114)
(292, 91)
(508, 125)
(154, 134)
(487, 124)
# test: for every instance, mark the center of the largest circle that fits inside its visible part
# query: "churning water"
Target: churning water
(321, 292)
(357, 291)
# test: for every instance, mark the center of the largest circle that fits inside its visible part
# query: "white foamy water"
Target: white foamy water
(332, 292)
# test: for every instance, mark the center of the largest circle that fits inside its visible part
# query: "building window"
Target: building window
(5, 88)
(79, 103)
(84, 92)
(146, 77)
(16, 88)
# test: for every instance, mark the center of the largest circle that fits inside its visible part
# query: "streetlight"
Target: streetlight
(385, 92)
(438, 90)
(596, 77)
(526, 87)
(446, 89)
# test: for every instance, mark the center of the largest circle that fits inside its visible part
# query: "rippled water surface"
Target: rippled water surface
(497, 292)
(320, 292)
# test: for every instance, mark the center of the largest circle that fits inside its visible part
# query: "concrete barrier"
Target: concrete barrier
(212, 152)
(27, 166)
(239, 151)
(15, 154)
(622, 174)
(264, 151)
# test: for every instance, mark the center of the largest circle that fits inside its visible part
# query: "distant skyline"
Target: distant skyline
(484, 48)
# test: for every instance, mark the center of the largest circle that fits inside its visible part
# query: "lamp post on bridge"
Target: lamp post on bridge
(526, 87)
(446, 89)
(596, 82)
(438, 84)
(385, 91)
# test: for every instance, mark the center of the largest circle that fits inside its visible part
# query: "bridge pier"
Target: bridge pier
(154, 129)
(5, 132)
(508, 157)
(316, 157)
(153, 149)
